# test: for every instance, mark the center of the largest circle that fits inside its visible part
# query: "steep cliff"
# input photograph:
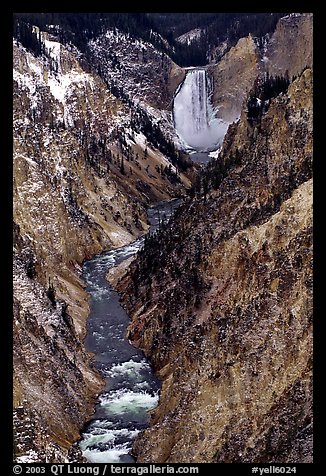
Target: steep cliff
(233, 78)
(221, 301)
(290, 47)
(86, 166)
(287, 50)
(143, 72)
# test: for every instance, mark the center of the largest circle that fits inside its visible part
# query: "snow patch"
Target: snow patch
(34, 67)
(30, 161)
(215, 153)
(30, 457)
(140, 139)
(53, 48)
(190, 36)
(26, 82)
(60, 85)
(291, 15)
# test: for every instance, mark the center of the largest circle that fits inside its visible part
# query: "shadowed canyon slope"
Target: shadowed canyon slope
(221, 301)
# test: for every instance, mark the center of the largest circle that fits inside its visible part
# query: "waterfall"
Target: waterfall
(193, 113)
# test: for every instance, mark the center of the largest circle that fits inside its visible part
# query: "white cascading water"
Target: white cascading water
(194, 117)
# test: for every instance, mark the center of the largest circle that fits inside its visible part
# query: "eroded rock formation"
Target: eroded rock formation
(221, 301)
(287, 51)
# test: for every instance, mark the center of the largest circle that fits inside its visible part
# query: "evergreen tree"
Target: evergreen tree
(122, 167)
(79, 28)
(51, 294)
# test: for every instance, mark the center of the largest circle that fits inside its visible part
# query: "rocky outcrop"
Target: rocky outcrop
(221, 301)
(233, 78)
(290, 47)
(84, 173)
(287, 51)
(144, 73)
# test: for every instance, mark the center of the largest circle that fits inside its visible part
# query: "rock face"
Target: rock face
(85, 169)
(290, 47)
(233, 78)
(221, 301)
(54, 386)
(145, 73)
(289, 50)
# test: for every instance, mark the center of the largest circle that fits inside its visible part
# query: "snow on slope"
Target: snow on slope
(132, 64)
(62, 84)
(190, 36)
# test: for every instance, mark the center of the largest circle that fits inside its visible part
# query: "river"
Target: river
(131, 388)
(200, 157)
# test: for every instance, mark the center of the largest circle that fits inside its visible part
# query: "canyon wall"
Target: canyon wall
(84, 173)
(221, 300)
(290, 47)
(89, 157)
(287, 51)
(233, 77)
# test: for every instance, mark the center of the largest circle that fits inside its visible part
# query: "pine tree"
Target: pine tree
(51, 294)
(122, 167)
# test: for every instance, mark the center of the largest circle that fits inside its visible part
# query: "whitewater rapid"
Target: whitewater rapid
(194, 116)
(131, 388)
